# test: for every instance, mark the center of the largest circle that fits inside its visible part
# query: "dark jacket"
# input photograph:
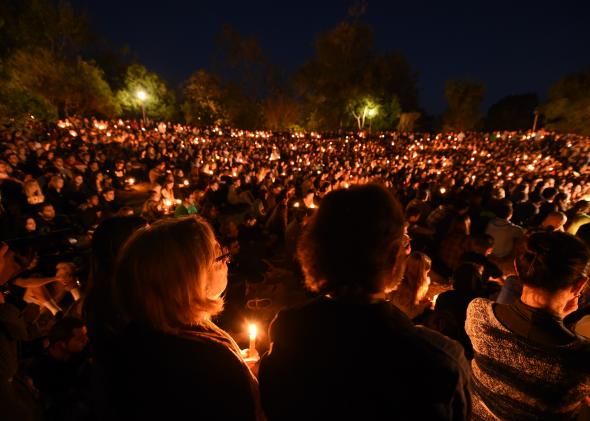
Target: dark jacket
(334, 360)
(195, 375)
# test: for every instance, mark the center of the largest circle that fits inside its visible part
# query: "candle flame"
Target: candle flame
(252, 331)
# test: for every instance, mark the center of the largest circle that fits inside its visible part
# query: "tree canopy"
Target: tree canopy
(346, 78)
(568, 107)
(159, 101)
(464, 98)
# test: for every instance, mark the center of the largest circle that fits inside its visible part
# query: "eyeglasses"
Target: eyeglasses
(258, 303)
(224, 258)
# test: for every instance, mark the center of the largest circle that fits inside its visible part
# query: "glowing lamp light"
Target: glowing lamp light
(167, 202)
(178, 201)
(185, 182)
(296, 204)
(141, 95)
(131, 181)
(443, 190)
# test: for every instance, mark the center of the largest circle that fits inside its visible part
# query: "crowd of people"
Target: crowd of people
(402, 272)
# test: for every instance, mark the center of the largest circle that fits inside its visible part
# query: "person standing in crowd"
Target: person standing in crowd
(167, 357)
(350, 354)
(527, 365)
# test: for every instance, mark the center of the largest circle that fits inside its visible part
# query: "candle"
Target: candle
(252, 331)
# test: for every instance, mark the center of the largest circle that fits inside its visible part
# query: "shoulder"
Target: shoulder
(479, 308)
(440, 347)
(180, 352)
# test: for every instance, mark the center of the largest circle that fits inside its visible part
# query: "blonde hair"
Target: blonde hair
(415, 278)
(33, 192)
(162, 275)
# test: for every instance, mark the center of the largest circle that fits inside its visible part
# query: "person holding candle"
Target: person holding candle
(168, 358)
(350, 354)
(527, 364)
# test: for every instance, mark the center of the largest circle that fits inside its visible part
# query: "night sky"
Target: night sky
(512, 48)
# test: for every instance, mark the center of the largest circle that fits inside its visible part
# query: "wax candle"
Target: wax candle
(252, 331)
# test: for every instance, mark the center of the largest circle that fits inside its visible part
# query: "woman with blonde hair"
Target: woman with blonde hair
(410, 295)
(169, 358)
(33, 192)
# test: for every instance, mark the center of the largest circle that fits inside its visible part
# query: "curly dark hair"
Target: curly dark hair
(351, 241)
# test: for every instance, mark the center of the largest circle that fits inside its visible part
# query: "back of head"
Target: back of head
(351, 241)
(549, 193)
(467, 278)
(481, 243)
(63, 330)
(553, 261)
(167, 275)
(503, 209)
(553, 221)
(108, 239)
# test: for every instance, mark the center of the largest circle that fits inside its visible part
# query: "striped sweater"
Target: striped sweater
(513, 378)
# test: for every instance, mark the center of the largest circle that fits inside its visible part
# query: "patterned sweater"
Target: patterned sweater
(517, 379)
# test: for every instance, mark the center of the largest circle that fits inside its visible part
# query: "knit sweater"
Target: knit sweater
(518, 379)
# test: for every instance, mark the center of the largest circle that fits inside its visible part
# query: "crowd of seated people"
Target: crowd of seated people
(402, 273)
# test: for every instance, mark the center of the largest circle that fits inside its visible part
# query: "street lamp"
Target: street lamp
(141, 95)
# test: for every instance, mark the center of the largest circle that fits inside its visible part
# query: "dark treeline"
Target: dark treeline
(52, 64)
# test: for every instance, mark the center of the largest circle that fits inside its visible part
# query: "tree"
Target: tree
(55, 26)
(43, 72)
(363, 109)
(407, 122)
(65, 87)
(513, 112)
(568, 107)
(345, 73)
(464, 98)
(334, 77)
(281, 112)
(204, 105)
(247, 77)
(160, 102)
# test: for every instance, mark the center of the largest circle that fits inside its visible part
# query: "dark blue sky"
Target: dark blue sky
(512, 47)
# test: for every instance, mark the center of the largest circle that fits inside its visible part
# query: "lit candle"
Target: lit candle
(252, 331)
